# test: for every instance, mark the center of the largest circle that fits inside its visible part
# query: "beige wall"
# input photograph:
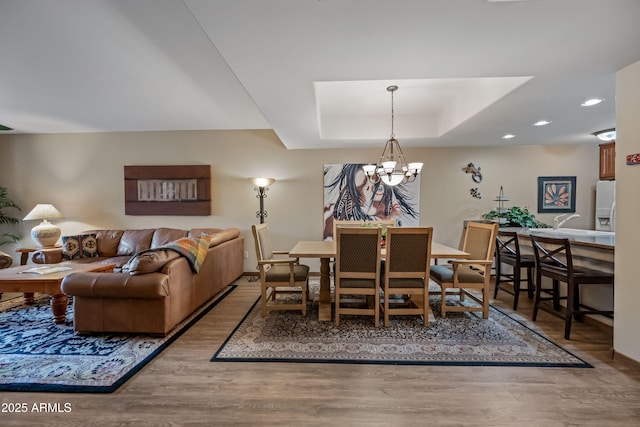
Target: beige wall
(627, 316)
(82, 175)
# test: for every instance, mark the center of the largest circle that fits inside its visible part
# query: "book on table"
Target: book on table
(47, 269)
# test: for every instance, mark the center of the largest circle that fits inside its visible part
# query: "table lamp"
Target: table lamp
(45, 234)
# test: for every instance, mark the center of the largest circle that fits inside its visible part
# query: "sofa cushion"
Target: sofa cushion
(162, 236)
(108, 241)
(80, 246)
(133, 241)
(222, 236)
(148, 261)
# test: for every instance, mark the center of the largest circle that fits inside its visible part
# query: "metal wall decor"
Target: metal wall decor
(476, 175)
(167, 190)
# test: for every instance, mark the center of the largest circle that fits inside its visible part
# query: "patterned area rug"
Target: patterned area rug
(38, 355)
(459, 339)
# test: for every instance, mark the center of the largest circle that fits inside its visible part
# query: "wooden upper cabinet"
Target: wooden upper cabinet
(608, 161)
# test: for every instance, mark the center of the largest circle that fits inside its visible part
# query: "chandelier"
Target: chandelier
(392, 168)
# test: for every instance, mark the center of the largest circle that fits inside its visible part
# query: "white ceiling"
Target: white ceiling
(316, 71)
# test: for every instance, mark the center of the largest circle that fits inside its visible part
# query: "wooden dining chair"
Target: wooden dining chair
(279, 275)
(358, 271)
(555, 261)
(479, 240)
(508, 252)
(406, 272)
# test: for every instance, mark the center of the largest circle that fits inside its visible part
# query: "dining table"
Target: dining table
(326, 249)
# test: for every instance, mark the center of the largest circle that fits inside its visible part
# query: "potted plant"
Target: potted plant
(515, 217)
(6, 218)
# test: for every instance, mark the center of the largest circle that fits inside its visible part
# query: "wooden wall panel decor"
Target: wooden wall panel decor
(167, 190)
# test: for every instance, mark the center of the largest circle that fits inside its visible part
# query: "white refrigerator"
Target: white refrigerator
(605, 206)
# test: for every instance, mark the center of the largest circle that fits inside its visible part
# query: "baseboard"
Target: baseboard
(625, 360)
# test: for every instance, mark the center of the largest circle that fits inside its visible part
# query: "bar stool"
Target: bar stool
(554, 260)
(508, 252)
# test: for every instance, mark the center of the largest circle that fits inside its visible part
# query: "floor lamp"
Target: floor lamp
(261, 186)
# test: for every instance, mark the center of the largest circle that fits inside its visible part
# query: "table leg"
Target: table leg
(324, 309)
(59, 308)
(28, 298)
(24, 258)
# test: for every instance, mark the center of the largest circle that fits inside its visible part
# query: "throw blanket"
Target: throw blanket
(150, 260)
(194, 250)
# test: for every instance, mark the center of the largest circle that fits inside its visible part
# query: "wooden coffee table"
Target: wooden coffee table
(14, 279)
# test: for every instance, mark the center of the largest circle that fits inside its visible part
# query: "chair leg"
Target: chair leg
(264, 300)
(485, 301)
(337, 305)
(376, 310)
(443, 301)
(425, 306)
(386, 308)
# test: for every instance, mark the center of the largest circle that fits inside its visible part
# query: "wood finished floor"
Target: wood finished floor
(182, 387)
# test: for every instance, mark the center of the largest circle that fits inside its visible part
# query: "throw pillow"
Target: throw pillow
(80, 246)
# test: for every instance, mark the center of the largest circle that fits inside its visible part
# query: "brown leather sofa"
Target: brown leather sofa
(164, 289)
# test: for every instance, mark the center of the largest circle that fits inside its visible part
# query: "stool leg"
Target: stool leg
(576, 303)
(516, 285)
(537, 298)
(498, 277)
(556, 295)
(530, 284)
(569, 314)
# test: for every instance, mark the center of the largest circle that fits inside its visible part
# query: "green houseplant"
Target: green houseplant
(516, 217)
(6, 218)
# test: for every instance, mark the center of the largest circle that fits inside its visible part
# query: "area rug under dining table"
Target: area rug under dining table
(38, 355)
(459, 339)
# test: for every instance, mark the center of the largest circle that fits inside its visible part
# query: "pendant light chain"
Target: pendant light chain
(392, 89)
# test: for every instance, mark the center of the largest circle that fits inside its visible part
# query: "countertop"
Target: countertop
(602, 239)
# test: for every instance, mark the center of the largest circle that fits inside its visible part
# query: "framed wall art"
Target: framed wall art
(556, 194)
(350, 195)
(167, 190)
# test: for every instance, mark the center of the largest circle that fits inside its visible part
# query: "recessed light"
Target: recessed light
(591, 102)
(541, 123)
(508, 136)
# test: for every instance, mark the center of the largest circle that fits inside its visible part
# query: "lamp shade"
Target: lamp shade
(43, 211)
(44, 234)
(262, 182)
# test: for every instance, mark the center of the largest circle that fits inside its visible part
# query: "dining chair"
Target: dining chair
(508, 252)
(406, 272)
(358, 271)
(479, 240)
(555, 261)
(383, 224)
(279, 275)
